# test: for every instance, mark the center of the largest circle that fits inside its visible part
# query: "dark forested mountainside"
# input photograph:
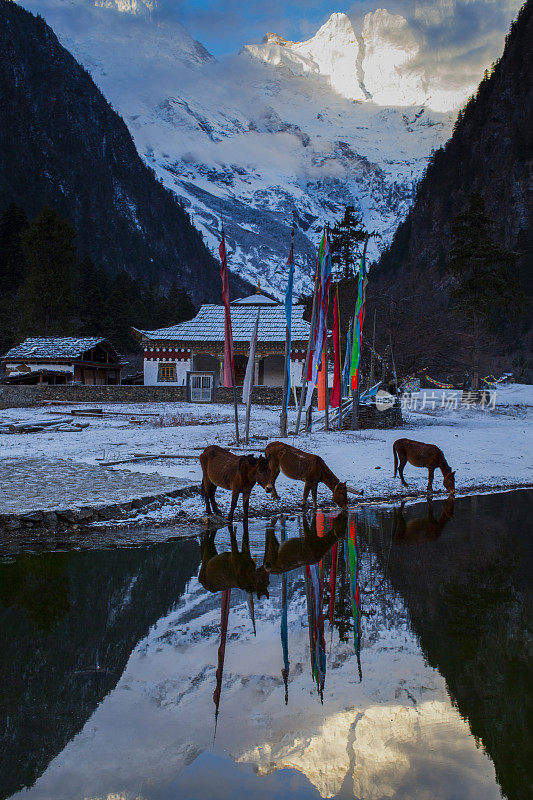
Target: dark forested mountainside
(490, 154)
(63, 146)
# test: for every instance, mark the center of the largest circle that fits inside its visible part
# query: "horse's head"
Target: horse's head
(262, 475)
(340, 495)
(261, 581)
(449, 482)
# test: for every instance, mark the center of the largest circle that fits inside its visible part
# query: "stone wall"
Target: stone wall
(261, 395)
(372, 417)
(23, 396)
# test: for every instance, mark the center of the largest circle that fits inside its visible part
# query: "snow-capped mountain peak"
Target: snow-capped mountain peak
(332, 52)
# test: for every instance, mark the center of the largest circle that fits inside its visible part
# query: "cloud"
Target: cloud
(457, 39)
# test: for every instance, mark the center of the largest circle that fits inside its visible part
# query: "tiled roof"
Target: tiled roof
(208, 325)
(48, 348)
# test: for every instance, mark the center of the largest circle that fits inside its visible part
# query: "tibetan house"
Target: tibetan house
(192, 353)
(87, 360)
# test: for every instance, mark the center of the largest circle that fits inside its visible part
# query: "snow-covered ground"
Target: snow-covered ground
(489, 448)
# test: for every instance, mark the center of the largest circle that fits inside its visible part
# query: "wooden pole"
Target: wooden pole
(235, 405)
(283, 415)
(284, 402)
(307, 356)
(326, 388)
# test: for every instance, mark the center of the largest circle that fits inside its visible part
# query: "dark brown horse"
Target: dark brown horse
(235, 569)
(422, 529)
(422, 455)
(297, 552)
(239, 474)
(306, 467)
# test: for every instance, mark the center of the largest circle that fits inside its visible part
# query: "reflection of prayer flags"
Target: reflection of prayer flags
(284, 623)
(352, 563)
(228, 335)
(224, 616)
(333, 581)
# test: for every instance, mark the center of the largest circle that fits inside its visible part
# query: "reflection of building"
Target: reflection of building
(88, 360)
(197, 346)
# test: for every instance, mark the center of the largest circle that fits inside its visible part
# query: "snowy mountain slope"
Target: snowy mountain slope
(266, 139)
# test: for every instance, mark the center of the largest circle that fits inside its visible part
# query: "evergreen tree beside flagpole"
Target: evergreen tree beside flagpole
(229, 367)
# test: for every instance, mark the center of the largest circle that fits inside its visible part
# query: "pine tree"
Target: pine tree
(45, 297)
(347, 238)
(12, 267)
(486, 287)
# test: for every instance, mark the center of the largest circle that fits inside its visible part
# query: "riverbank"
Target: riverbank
(135, 446)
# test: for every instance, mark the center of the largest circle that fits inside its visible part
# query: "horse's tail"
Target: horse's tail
(202, 488)
(395, 458)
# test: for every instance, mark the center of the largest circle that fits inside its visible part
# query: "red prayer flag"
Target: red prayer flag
(335, 399)
(228, 335)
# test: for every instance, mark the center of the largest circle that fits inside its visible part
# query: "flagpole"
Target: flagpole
(228, 335)
(355, 397)
(307, 356)
(249, 378)
(284, 402)
(235, 405)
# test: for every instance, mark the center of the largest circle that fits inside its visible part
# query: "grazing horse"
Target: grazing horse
(305, 467)
(239, 474)
(423, 455)
(231, 570)
(422, 529)
(298, 552)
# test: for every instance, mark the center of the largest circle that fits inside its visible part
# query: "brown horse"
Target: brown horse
(234, 569)
(239, 474)
(423, 455)
(306, 467)
(422, 529)
(298, 552)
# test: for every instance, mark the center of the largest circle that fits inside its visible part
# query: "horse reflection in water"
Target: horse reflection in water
(235, 569)
(422, 529)
(300, 552)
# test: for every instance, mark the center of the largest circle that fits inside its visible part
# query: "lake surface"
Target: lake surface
(391, 659)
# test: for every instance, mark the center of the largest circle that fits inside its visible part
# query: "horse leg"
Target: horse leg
(245, 504)
(314, 490)
(431, 471)
(274, 472)
(207, 494)
(307, 489)
(401, 465)
(214, 503)
(234, 498)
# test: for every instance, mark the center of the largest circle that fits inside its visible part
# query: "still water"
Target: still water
(388, 656)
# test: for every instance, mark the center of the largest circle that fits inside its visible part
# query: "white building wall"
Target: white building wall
(151, 371)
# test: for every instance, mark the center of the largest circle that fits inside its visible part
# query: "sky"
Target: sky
(471, 29)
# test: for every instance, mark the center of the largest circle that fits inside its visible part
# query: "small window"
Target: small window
(167, 373)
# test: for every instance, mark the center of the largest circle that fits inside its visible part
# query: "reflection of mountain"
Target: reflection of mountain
(60, 616)
(469, 600)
